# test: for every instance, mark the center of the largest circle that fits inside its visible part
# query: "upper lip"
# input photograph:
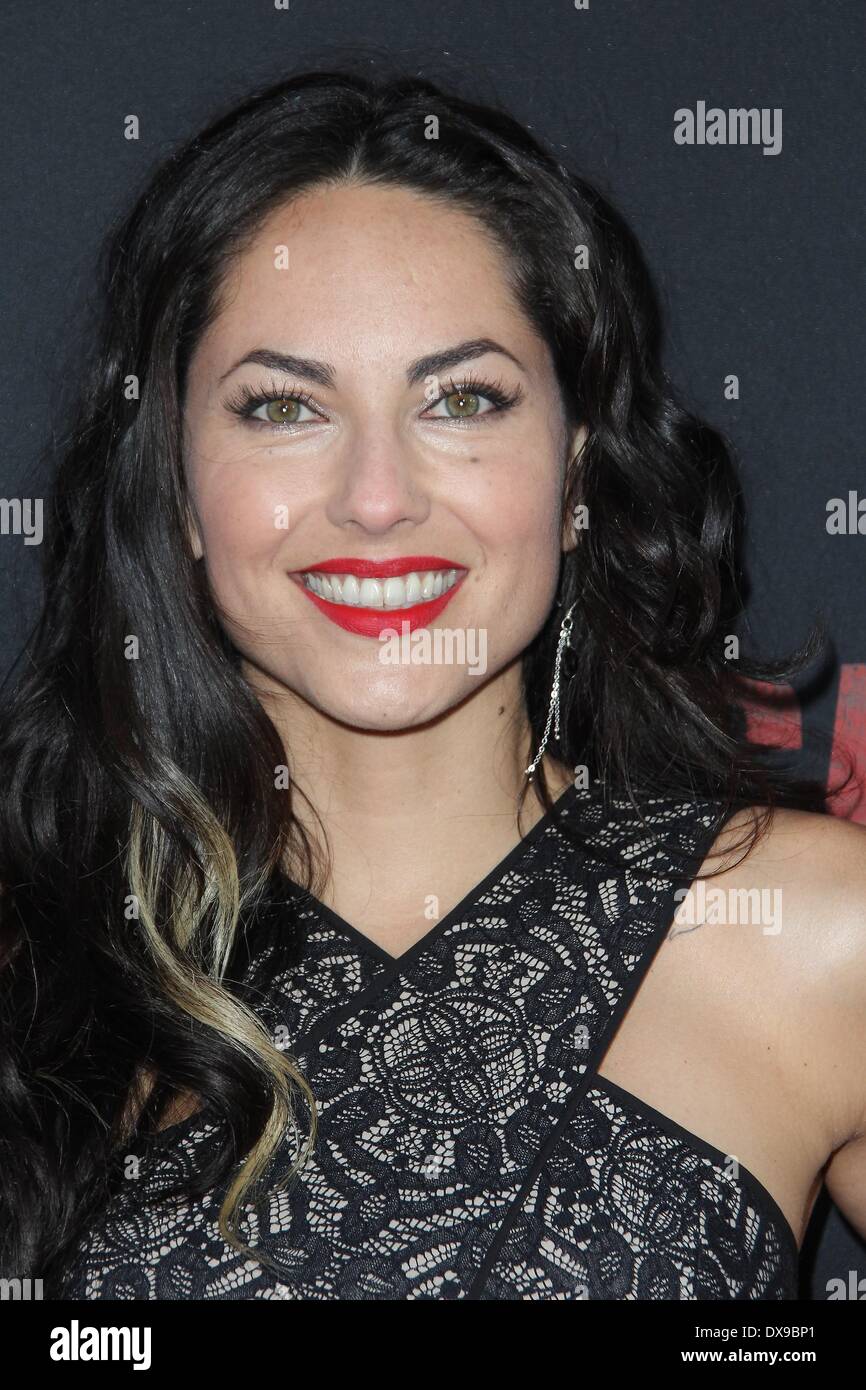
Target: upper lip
(370, 569)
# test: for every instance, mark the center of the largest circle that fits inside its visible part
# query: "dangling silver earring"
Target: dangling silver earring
(553, 711)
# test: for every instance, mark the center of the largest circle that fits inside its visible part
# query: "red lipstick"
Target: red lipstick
(389, 569)
(370, 622)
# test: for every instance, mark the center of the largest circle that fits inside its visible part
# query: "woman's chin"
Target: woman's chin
(394, 703)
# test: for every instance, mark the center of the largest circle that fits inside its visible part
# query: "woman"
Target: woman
(389, 953)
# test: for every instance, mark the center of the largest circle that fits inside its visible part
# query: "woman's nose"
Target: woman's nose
(378, 485)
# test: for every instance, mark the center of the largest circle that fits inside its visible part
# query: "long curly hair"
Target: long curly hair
(141, 825)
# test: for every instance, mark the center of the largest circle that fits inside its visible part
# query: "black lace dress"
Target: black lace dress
(467, 1146)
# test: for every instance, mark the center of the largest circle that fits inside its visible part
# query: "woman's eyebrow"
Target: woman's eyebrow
(437, 362)
(323, 374)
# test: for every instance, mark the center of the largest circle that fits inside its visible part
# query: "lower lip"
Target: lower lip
(371, 622)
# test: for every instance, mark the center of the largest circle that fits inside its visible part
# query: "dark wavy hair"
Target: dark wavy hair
(140, 825)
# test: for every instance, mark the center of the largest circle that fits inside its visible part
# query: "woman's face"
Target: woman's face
(408, 502)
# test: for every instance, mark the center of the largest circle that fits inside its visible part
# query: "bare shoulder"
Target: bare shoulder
(816, 866)
(806, 878)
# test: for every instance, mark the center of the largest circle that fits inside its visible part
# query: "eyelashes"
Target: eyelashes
(245, 401)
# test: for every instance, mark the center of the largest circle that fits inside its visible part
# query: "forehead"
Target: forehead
(369, 270)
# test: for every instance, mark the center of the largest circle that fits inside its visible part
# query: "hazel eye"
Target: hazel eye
(284, 411)
(473, 398)
(276, 405)
(465, 404)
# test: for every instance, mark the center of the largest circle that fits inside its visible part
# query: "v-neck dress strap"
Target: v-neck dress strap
(467, 1147)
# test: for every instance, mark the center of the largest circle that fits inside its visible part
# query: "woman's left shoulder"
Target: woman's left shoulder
(820, 861)
(811, 870)
(816, 864)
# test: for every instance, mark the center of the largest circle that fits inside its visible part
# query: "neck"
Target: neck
(439, 798)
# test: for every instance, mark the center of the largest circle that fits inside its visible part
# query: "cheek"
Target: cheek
(524, 523)
(243, 521)
(520, 532)
(243, 517)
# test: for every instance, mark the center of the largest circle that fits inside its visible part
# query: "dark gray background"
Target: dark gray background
(758, 259)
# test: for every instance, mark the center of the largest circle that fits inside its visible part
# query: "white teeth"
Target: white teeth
(394, 593)
(400, 591)
(371, 593)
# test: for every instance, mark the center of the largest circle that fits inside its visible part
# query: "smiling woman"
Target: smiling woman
(386, 450)
(362, 956)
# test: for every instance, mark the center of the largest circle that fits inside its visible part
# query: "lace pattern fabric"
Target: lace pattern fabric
(467, 1147)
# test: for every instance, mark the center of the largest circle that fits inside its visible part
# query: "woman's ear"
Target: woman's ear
(576, 441)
